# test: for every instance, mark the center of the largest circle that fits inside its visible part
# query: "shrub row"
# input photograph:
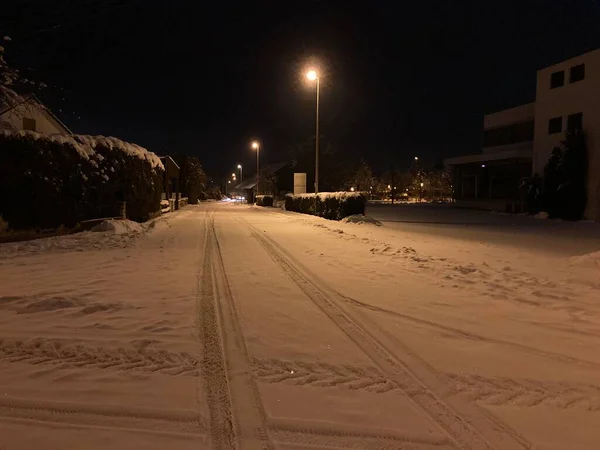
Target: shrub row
(264, 200)
(48, 181)
(330, 205)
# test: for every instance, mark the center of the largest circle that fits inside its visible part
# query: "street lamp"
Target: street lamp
(241, 172)
(421, 193)
(256, 146)
(312, 75)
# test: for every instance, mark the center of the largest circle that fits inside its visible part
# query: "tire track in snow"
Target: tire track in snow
(48, 352)
(457, 428)
(527, 393)
(147, 420)
(237, 417)
(307, 434)
(472, 336)
(322, 375)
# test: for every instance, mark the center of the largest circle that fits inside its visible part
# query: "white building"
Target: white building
(519, 141)
(18, 113)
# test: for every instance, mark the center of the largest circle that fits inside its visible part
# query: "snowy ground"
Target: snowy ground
(521, 231)
(228, 324)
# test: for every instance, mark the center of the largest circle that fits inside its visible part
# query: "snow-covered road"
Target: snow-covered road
(228, 325)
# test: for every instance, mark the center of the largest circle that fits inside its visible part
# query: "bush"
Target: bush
(61, 180)
(565, 178)
(3, 225)
(330, 205)
(264, 200)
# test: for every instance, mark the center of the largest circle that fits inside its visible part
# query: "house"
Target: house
(518, 142)
(27, 113)
(171, 182)
(275, 179)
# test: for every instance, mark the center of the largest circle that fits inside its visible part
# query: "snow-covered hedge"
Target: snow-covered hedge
(47, 181)
(264, 200)
(330, 205)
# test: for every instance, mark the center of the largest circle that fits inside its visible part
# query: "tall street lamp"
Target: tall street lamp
(312, 75)
(241, 173)
(256, 146)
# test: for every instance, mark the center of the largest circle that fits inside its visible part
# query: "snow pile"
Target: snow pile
(587, 260)
(542, 215)
(119, 227)
(361, 220)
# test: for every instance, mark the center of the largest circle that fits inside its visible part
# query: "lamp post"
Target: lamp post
(256, 146)
(241, 173)
(312, 75)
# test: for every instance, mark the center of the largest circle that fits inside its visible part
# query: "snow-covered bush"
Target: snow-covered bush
(330, 205)
(264, 200)
(60, 179)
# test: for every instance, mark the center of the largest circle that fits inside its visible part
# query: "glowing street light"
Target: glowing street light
(416, 158)
(256, 146)
(312, 75)
(239, 166)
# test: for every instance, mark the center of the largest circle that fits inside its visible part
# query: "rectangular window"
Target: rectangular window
(28, 124)
(557, 79)
(555, 125)
(509, 134)
(577, 73)
(575, 122)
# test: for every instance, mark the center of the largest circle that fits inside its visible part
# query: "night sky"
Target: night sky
(399, 78)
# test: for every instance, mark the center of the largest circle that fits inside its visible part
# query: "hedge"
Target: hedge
(48, 181)
(264, 200)
(330, 205)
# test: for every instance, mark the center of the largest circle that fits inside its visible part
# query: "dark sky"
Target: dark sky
(400, 78)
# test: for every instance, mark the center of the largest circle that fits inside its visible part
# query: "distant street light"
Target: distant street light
(351, 189)
(233, 175)
(256, 146)
(241, 172)
(312, 75)
(416, 158)
(421, 193)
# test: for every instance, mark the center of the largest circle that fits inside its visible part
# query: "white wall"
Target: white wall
(44, 122)
(582, 96)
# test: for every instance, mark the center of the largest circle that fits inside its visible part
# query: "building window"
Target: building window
(557, 79)
(577, 73)
(28, 124)
(555, 125)
(509, 134)
(575, 122)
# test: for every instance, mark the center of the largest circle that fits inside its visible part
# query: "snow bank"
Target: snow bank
(361, 220)
(119, 227)
(587, 260)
